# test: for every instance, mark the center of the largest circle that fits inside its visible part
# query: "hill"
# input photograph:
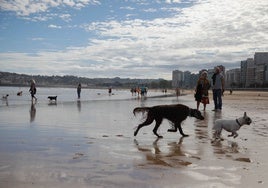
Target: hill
(14, 79)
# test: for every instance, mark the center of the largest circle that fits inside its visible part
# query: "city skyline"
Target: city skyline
(253, 72)
(129, 39)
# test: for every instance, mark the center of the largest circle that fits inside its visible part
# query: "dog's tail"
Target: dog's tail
(141, 109)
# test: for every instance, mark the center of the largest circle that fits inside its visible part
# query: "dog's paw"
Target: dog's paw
(172, 130)
(185, 135)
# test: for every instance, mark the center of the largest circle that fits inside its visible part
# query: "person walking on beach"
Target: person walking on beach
(79, 87)
(32, 90)
(201, 90)
(110, 91)
(217, 88)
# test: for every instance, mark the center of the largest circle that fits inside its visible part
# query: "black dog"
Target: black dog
(174, 113)
(52, 98)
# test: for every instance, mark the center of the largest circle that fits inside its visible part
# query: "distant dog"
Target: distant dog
(51, 98)
(174, 113)
(5, 97)
(19, 93)
(230, 126)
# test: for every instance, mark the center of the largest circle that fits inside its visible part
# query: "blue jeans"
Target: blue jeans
(217, 93)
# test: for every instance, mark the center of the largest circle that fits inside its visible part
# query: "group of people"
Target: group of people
(139, 90)
(203, 85)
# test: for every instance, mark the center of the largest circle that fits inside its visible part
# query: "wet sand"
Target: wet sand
(91, 144)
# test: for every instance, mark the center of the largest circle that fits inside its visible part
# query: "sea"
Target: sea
(65, 95)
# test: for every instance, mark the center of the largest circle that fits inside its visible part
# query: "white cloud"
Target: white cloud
(27, 7)
(209, 32)
(38, 39)
(65, 17)
(54, 26)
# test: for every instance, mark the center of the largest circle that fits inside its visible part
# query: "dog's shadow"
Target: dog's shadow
(175, 156)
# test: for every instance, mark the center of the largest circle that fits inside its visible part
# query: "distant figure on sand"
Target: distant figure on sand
(110, 91)
(201, 91)
(32, 90)
(178, 92)
(79, 87)
(217, 88)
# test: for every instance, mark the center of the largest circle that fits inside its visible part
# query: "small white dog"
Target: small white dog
(5, 97)
(230, 126)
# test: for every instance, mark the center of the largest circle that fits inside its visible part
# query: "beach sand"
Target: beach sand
(91, 144)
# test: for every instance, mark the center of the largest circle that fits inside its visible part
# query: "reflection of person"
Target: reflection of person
(79, 105)
(32, 90)
(79, 87)
(32, 112)
(202, 88)
(218, 89)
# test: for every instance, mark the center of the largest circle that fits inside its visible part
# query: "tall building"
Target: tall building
(177, 78)
(261, 63)
(233, 78)
(261, 58)
(183, 79)
(247, 73)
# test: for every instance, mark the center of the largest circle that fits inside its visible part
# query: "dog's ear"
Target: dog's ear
(245, 114)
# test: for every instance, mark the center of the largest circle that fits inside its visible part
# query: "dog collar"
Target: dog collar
(238, 122)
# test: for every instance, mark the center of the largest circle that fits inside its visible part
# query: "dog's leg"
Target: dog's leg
(157, 124)
(148, 121)
(235, 134)
(178, 125)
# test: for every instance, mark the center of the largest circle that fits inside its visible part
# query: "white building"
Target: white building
(177, 78)
(233, 78)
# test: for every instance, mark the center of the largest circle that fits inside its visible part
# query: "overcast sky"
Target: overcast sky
(129, 38)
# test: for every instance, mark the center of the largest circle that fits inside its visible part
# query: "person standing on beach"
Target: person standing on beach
(32, 90)
(217, 88)
(79, 87)
(110, 91)
(201, 90)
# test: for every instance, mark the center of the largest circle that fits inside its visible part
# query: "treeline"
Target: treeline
(14, 79)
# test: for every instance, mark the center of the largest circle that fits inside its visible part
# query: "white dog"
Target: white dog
(5, 97)
(230, 126)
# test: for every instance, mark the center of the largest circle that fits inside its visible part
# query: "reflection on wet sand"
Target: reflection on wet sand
(5, 101)
(79, 105)
(201, 128)
(32, 112)
(230, 150)
(175, 157)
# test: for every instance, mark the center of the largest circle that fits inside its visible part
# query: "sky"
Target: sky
(129, 38)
